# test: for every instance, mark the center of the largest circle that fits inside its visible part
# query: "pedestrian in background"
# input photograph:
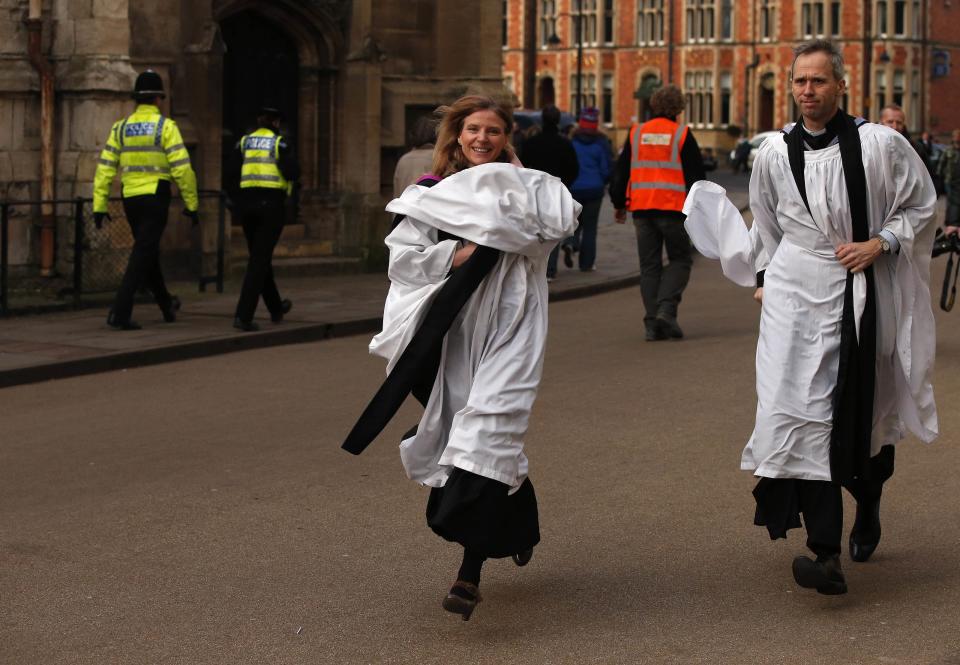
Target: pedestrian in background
(741, 155)
(147, 148)
(418, 160)
(594, 162)
(659, 163)
(551, 152)
(265, 179)
(949, 171)
(894, 117)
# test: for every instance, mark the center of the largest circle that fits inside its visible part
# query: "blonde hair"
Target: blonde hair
(448, 157)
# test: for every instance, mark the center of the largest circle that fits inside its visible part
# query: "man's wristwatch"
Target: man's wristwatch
(884, 244)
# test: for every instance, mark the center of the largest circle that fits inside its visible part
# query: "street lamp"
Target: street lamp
(553, 40)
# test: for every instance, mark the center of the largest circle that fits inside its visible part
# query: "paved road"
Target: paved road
(201, 512)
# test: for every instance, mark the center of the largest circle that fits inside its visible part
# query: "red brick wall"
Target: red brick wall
(627, 62)
(943, 94)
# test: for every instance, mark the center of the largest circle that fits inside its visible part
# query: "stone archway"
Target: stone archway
(314, 41)
(650, 81)
(765, 106)
(265, 71)
(546, 92)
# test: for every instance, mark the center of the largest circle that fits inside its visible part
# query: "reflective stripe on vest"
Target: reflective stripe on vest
(656, 170)
(261, 152)
(142, 155)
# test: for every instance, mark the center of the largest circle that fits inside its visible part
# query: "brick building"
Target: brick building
(732, 59)
(351, 76)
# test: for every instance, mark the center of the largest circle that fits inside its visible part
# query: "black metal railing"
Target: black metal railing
(100, 253)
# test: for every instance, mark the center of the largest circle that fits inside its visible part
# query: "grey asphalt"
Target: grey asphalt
(58, 345)
(202, 512)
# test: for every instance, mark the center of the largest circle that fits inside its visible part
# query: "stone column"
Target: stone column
(201, 86)
(360, 111)
(91, 50)
(19, 130)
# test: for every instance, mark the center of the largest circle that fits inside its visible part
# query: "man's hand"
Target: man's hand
(98, 218)
(758, 295)
(194, 216)
(620, 216)
(951, 230)
(462, 254)
(858, 256)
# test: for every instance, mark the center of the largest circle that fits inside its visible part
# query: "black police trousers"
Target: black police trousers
(147, 217)
(261, 214)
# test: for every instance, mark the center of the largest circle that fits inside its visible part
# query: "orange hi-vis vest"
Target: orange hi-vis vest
(656, 173)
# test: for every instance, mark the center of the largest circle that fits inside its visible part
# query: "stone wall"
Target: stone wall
(365, 62)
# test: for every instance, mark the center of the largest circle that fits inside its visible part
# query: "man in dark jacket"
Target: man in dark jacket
(552, 153)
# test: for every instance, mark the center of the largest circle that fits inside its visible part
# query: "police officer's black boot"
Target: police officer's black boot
(170, 311)
(285, 306)
(245, 326)
(117, 324)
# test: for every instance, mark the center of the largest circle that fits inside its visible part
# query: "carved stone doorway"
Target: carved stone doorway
(260, 67)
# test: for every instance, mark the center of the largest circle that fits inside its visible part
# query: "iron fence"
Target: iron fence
(96, 256)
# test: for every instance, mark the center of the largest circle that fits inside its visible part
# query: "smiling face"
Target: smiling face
(815, 89)
(483, 137)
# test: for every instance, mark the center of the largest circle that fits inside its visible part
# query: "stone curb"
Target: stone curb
(292, 334)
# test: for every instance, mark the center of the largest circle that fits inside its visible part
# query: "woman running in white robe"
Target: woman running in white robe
(480, 230)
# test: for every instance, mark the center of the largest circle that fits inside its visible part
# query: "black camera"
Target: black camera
(943, 243)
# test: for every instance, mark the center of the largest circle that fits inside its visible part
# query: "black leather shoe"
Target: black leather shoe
(285, 306)
(824, 574)
(170, 311)
(523, 558)
(655, 333)
(865, 534)
(116, 324)
(245, 326)
(462, 599)
(669, 326)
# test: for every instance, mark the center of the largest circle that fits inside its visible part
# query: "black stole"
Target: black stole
(856, 376)
(416, 369)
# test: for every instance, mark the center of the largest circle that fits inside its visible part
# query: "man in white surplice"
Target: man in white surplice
(828, 291)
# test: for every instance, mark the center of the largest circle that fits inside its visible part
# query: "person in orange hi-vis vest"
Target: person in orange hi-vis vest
(659, 163)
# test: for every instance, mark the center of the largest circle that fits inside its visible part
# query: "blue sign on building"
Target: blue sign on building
(940, 63)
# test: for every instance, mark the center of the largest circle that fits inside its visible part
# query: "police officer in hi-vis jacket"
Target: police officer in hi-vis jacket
(266, 176)
(149, 152)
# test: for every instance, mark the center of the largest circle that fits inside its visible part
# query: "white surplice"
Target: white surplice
(799, 343)
(492, 358)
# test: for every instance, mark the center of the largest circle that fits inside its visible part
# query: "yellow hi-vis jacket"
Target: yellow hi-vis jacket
(261, 154)
(147, 148)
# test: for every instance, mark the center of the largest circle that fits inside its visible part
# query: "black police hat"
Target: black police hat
(270, 111)
(149, 84)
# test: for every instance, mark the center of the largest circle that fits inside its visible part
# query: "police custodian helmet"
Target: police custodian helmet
(149, 84)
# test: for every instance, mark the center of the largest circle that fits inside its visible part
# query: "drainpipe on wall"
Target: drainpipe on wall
(867, 58)
(924, 65)
(751, 90)
(529, 53)
(45, 70)
(670, 43)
